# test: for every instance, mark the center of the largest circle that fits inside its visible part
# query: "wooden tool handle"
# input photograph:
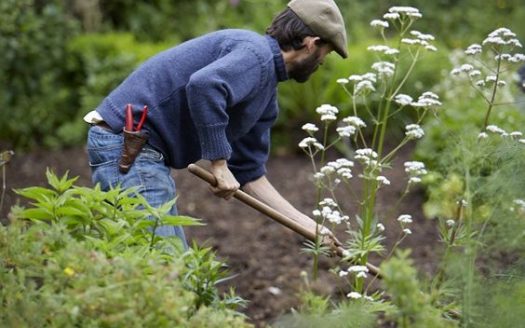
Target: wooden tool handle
(269, 211)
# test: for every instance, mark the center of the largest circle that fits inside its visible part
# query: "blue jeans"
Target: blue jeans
(148, 173)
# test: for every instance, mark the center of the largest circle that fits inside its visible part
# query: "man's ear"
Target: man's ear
(311, 42)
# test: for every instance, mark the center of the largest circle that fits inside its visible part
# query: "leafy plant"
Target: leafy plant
(34, 97)
(49, 278)
(77, 245)
(113, 221)
(383, 87)
(414, 308)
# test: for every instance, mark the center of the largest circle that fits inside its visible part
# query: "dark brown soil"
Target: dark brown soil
(264, 257)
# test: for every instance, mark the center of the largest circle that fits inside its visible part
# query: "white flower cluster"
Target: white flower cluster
(377, 23)
(465, 68)
(398, 12)
(363, 83)
(309, 143)
(356, 296)
(497, 130)
(415, 170)
(414, 131)
(341, 168)
(353, 124)
(420, 39)
(367, 76)
(364, 87)
(427, 100)
(380, 227)
(383, 180)
(359, 270)
(494, 129)
(354, 121)
(405, 219)
(473, 49)
(310, 128)
(516, 58)
(329, 212)
(520, 203)
(502, 37)
(346, 131)
(384, 69)
(383, 49)
(403, 100)
(327, 112)
(366, 156)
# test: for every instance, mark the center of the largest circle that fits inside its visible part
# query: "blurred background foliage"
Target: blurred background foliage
(61, 57)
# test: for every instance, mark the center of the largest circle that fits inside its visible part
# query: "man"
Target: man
(213, 98)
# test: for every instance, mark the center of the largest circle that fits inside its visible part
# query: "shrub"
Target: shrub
(51, 279)
(82, 256)
(35, 97)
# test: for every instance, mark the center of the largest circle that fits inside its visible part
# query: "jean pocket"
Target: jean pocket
(103, 146)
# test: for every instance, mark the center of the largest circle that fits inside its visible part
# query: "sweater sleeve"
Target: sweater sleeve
(216, 87)
(250, 153)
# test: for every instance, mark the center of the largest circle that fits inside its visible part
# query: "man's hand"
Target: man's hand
(328, 239)
(226, 182)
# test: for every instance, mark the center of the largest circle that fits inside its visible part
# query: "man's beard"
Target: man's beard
(302, 70)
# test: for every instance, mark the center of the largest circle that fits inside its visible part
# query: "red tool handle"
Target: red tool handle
(142, 118)
(129, 118)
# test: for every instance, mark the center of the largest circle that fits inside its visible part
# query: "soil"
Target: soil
(264, 258)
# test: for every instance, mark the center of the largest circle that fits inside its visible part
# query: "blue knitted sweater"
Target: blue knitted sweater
(213, 97)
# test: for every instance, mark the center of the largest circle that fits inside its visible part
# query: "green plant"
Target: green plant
(113, 221)
(476, 173)
(202, 273)
(378, 93)
(414, 308)
(317, 311)
(35, 98)
(93, 258)
(49, 279)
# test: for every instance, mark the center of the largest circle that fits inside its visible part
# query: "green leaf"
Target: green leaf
(36, 193)
(61, 184)
(38, 214)
(180, 220)
(111, 227)
(70, 211)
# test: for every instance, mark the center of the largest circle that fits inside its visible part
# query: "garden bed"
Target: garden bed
(264, 258)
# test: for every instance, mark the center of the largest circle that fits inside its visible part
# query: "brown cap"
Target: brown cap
(325, 19)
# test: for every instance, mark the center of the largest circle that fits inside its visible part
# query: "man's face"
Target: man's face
(301, 70)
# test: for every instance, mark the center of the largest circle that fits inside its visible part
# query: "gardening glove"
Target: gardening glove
(226, 185)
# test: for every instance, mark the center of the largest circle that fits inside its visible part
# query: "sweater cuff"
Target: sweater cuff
(214, 143)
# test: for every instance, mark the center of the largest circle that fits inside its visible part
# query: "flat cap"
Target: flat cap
(325, 20)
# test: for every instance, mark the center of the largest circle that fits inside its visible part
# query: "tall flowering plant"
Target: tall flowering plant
(371, 160)
(486, 160)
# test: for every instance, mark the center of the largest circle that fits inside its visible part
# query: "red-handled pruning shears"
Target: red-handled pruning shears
(129, 118)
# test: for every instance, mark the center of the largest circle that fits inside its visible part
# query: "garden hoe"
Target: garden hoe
(271, 212)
